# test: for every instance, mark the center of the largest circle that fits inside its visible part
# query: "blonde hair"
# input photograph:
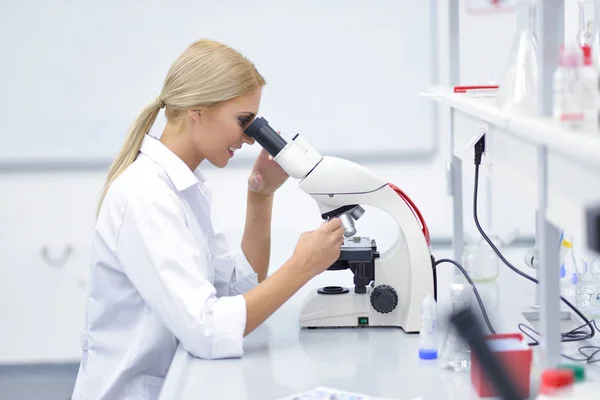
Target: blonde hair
(205, 74)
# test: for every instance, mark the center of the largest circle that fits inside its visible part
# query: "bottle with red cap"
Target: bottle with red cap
(589, 95)
(556, 384)
(566, 88)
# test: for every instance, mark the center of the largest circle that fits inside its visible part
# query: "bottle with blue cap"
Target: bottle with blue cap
(428, 334)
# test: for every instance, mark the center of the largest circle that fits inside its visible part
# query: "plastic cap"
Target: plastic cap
(578, 371)
(427, 354)
(556, 379)
(587, 54)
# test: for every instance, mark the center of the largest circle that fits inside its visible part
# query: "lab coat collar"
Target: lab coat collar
(179, 173)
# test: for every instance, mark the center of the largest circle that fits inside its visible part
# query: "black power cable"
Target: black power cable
(589, 358)
(571, 336)
(475, 292)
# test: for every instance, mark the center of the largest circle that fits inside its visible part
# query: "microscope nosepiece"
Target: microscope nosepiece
(348, 215)
(357, 213)
(348, 224)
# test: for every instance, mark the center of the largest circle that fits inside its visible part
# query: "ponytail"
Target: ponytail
(207, 73)
(131, 147)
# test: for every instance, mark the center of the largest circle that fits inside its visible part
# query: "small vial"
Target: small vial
(428, 333)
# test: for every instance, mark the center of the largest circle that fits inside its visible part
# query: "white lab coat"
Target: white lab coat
(160, 275)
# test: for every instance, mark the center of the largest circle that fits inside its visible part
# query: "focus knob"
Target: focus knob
(384, 299)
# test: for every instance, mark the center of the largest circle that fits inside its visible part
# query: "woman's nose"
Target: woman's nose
(247, 139)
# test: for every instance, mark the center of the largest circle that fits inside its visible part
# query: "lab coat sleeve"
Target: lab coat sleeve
(233, 273)
(161, 258)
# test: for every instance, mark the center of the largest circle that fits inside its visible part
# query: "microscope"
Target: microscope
(388, 287)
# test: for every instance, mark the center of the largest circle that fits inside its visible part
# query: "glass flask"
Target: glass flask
(481, 262)
(518, 87)
(456, 353)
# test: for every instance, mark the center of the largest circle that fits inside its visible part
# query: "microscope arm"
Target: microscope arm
(326, 178)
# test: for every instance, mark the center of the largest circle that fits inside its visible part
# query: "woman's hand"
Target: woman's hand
(317, 250)
(267, 176)
(314, 253)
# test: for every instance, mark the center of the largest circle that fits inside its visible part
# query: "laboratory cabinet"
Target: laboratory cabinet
(46, 220)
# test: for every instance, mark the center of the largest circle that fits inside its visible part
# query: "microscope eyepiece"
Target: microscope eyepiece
(297, 158)
(266, 136)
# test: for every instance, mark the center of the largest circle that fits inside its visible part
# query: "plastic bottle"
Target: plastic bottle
(428, 334)
(455, 354)
(567, 108)
(589, 94)
(556, 384)
(588, 288)
(568, 269)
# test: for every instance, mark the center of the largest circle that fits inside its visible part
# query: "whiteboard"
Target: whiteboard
(344, 74)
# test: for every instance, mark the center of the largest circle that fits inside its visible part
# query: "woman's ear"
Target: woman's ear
(195, 115)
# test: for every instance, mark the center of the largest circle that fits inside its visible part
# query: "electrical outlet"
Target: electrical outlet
(488, 158)
(490, 136)
(482, 131)
(474, 140)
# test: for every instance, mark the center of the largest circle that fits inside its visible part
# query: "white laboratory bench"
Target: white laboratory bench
(281, 359)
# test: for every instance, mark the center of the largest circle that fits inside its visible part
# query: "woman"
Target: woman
(160, 273)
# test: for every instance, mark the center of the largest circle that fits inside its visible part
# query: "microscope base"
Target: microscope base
(348, 310)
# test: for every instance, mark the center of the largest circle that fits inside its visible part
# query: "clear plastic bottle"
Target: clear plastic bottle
(588, 289)
(567, 108)
(568, 269)
(456, 353)
(589, 94)
(428, 335)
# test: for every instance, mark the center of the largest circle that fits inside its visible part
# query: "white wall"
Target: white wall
(41, 306)
(115, 55)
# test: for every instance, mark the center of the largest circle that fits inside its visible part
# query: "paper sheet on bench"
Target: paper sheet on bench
(323, 393)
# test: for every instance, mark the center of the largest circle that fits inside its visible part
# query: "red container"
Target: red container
(517, 364)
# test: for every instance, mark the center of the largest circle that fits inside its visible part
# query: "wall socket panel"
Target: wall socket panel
(486, 130)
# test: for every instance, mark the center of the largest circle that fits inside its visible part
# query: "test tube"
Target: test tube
(428, 333)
